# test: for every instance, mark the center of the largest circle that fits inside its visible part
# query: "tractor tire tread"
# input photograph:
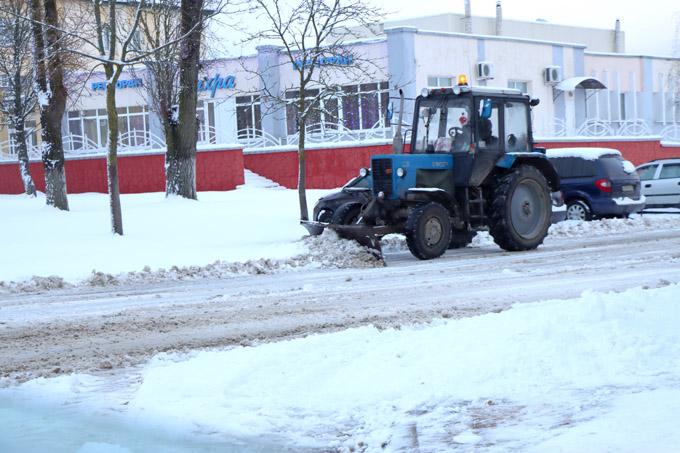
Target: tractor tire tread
(500, 226)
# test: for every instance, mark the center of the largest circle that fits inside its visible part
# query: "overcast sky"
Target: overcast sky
(650, 29)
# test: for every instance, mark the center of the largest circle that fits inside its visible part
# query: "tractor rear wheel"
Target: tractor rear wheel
(461, 238)
(428, 231)
(520, 209)
(346, 214)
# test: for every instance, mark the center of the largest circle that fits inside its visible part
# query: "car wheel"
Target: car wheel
(346, 214)
(578, 210)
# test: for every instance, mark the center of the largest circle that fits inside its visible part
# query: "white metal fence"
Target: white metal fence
(128, 142)
(136, 140)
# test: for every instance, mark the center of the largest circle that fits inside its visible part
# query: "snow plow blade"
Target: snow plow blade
(314, 228)
(366, 235)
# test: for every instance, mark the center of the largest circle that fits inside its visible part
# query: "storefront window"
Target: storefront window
(355, 107)
(89, 128)
(205, 111)
(248, 116)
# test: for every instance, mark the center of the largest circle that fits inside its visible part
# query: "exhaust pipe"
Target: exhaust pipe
(398, 140)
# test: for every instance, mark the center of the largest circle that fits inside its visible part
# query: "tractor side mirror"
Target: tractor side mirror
(486, 109)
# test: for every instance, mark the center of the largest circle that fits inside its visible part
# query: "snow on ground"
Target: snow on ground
(253, 229)
(596, 373)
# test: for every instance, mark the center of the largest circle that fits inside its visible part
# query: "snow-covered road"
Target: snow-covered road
(98, 328)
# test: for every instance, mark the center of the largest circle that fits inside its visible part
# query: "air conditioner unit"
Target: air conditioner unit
(485, 70)
(552, 75)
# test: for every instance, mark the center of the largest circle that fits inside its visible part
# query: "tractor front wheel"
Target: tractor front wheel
(428, 231)
(520, 210)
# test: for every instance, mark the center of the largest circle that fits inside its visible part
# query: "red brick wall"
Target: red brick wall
(638, 152)
(326, 168)
(215, 170)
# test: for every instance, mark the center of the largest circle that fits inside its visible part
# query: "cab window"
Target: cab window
(443, 126)
(516, 126)
(488, 124)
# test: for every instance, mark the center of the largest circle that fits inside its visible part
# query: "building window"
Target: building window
(205, 111)
(88, 129)
(521, 85)
(354, 107)
(434, 81)
(248, 116)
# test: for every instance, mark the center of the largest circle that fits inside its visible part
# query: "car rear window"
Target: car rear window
(574, 167)
(613, 165)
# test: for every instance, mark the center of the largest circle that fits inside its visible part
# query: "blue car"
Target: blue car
(597, 183)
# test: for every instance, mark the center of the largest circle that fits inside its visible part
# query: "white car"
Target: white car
(661, 183)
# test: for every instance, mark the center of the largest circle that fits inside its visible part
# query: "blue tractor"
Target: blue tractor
(472, 166)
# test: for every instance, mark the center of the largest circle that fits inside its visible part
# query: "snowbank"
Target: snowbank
(550, 375)
(254, 229)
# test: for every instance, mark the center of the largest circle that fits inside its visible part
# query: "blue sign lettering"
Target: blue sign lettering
(333, 60)
(131, 83)
(216, 83)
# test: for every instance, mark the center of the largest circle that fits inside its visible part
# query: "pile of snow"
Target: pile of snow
(606, 227)
(254, 229)
(547, 375)
(324, 251)
(582, 152)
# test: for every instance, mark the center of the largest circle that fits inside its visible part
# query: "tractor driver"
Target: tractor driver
(456, 126)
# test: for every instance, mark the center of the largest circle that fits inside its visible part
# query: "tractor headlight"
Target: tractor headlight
(401, 172)
(363, 172)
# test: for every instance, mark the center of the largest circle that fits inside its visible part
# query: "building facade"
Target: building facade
(586, 84)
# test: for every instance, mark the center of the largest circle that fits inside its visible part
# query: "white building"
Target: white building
(586, 83)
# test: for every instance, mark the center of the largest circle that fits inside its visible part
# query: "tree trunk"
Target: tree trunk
(302, 175)
(180, 159)
(112, 155)
(49, 78)
(302, 170)
(22, 154)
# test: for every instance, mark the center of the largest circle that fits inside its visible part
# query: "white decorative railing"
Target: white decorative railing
(634, 128)
(333, 132)
(136, 140)
(206, 135)
(256, 138)
(671, 133)
(595, 128)
(8, 151)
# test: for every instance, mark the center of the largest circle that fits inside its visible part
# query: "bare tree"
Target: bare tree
(50, 90)
(312, 34)
(17, 99)
(160, 73)
(180, 161)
